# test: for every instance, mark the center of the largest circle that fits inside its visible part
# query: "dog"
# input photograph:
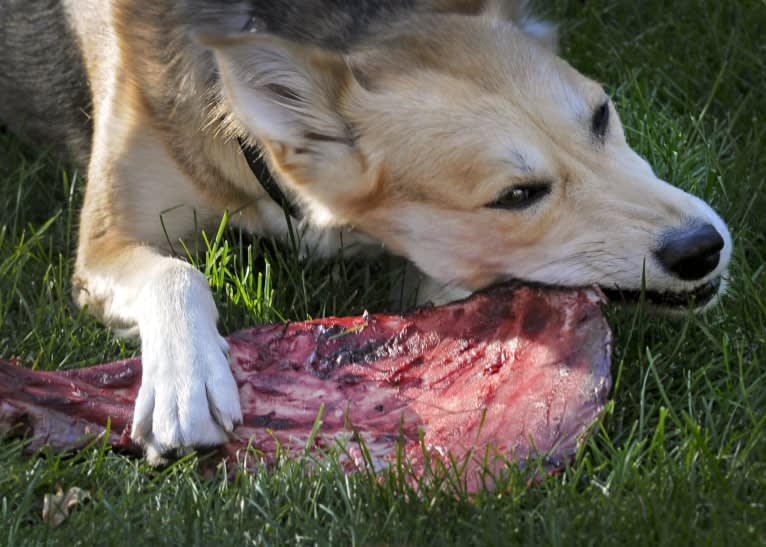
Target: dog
(446, 130)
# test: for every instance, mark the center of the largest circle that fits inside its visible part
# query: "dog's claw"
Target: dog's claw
(188, 397)
(181, 407)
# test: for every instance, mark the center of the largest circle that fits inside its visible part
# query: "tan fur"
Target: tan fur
(402, 139)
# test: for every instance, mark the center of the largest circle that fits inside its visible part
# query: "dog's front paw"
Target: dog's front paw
(188, 397)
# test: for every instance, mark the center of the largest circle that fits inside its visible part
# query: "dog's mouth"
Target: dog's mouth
(669, 300)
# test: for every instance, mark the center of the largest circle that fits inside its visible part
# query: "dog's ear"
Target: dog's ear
(515, 11)
(280, 90)
(519, 13)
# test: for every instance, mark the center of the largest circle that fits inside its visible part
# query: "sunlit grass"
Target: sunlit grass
(680, 458)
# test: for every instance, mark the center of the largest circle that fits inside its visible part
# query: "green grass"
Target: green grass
(681, 455)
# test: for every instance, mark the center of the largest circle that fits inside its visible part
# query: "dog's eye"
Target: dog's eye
(520, 197)
(600, 122)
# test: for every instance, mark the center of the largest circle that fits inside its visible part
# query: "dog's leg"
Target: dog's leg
(188, 396)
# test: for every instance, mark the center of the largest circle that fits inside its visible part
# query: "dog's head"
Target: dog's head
(464, 143)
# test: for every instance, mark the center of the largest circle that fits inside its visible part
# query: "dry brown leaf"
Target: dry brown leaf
(56, 507)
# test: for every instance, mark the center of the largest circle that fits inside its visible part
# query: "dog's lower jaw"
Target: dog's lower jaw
(700, 299)
(671, 303)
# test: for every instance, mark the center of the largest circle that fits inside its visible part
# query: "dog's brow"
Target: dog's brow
(519, 161)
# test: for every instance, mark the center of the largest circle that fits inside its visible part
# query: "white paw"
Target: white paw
(188, 397)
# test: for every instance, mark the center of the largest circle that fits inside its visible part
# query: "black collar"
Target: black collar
(261, 171)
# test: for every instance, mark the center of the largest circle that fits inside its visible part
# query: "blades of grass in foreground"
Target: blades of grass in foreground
(680, 458)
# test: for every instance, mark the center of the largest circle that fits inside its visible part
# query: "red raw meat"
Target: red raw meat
(507, 374)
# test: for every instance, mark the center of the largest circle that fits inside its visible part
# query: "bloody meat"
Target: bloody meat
(505, 375)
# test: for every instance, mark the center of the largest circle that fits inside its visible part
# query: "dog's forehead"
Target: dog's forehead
(477, 115)
(513, 125)
(467, 64)
(484, 50)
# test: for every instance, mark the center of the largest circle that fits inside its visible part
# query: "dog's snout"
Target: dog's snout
(691, 253)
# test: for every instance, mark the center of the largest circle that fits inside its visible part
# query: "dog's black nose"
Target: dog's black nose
(691, 253)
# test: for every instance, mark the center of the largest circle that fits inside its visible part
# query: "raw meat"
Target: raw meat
(505, 375)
